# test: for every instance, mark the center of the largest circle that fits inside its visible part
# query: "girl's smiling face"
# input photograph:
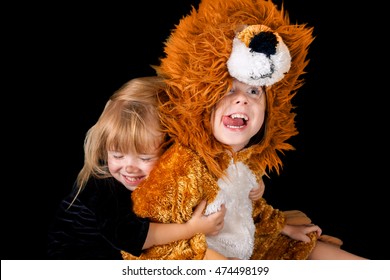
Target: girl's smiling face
(131, 169)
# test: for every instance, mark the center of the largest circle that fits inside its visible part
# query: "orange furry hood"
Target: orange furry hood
(195, 65)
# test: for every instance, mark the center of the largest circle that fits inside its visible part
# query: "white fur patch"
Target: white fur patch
(257, 69)
(237, 237)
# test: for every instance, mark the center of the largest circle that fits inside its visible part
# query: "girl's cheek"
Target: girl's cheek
(112, 164)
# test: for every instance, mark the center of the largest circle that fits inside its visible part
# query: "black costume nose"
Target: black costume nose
(264, 42)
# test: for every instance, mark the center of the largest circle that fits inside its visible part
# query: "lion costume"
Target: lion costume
(254, 42)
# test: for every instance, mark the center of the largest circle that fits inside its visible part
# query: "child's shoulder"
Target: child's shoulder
(181, 160)
(180, 153)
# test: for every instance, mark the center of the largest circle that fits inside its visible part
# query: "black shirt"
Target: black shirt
(98, 224)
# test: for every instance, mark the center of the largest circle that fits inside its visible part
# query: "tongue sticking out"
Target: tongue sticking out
(233, 122)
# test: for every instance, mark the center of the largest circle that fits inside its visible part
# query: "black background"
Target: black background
(62, 62)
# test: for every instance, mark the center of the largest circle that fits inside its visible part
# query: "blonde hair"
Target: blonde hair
(129, 123)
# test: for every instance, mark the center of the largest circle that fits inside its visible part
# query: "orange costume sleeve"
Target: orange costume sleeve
(173, 189)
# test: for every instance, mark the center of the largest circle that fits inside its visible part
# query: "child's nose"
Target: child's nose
(240, 98)
(131, 166)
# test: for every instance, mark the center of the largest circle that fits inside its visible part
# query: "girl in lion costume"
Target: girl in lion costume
(214, 48)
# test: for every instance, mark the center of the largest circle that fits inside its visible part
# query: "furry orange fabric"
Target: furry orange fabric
(196, 166)
(196, 72)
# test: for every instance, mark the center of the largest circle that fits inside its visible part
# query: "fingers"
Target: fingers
(262, 185)
(223, 209)
(218, 227)
(202, 204)
(257, 192)
(312, 228)
(221, 219)
(305, 238)
(199, 209)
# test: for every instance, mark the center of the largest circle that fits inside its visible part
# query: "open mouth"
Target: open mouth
(235, 120)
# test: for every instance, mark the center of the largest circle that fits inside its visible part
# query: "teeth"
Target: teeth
(239, 116)
(132, 179)
(233, 126)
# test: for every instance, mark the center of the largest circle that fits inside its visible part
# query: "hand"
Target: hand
(257, 193)
(209, 225)
(299, 232)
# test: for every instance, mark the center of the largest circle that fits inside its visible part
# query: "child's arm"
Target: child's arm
(160, 233)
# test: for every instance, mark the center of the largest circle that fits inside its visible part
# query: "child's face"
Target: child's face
(239, 115)
(131, 169)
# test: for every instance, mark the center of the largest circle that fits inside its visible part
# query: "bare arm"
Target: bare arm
(160, 233)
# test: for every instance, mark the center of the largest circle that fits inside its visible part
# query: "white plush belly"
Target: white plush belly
(237, 237)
